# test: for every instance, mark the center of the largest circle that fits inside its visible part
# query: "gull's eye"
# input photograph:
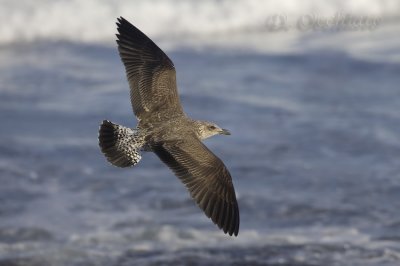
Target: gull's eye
(212, 127)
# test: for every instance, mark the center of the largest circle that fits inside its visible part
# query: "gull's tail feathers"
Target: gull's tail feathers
(120, 145)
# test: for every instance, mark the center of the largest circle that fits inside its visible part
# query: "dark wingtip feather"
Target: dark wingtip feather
(120, 20)
(218, 202)
(237, 220)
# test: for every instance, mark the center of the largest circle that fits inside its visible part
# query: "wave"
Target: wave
(93, 20)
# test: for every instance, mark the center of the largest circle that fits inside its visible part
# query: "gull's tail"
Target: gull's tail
(120, 145)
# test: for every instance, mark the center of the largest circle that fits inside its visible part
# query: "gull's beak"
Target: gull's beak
(224, 132)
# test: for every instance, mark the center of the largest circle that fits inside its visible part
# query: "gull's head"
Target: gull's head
(208, 129)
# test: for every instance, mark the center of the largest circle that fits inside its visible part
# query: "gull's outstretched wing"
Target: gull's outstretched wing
(151, 75)
(206, 178)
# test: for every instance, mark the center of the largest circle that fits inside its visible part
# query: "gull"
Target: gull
(164, 128)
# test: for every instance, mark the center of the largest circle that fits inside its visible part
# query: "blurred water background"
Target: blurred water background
(313, 106)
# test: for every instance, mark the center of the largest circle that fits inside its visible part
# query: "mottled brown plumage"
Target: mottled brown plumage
(164, 129)
(151, 75)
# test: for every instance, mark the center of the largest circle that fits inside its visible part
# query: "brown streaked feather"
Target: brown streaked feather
(206, 178)
(151, 75)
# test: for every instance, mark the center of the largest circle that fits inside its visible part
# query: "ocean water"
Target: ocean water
(314, 152)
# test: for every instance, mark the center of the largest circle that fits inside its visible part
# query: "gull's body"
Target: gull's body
(163, 128)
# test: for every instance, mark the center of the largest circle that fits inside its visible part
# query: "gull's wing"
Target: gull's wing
(206, 178)
(151, 75)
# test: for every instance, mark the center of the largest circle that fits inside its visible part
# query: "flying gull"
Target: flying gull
(164, 128)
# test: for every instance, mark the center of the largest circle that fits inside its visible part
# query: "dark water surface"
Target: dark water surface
(314, 156)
